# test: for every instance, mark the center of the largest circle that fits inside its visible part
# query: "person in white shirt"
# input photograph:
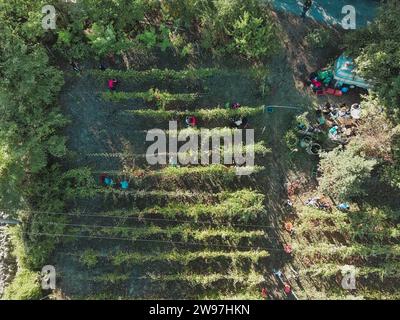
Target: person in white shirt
(355, 111)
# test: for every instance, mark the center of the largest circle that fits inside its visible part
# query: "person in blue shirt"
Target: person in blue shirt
(344, 206)
(109, 181)
(124, 184)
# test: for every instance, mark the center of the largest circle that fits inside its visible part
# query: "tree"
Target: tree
(376, 132)
(343, 173)
(253, 37)
(104, 40)
(377, 53)
(121, 15)
(29, 121)
(223, 30)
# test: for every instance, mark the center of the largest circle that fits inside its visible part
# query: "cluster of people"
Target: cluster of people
(108, 181)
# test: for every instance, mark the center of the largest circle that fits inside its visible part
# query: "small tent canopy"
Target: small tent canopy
(345, 72)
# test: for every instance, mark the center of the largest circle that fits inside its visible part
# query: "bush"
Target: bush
(291, 139)
(89, 258)
(25, 286)
(253, 37)
(318, 38)
(343, 173)
(162, 99)
(377, 54)
(104, 40)
(206, 115)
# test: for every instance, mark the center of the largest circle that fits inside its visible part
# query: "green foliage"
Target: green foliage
(123, 15)
(30, 123)
(72, 43)
(79, 183)
(105, 41)
(378, 137)
(253, 37)
(165, 42)
(242, 205)
(366, 239)
(149, 38)
(318, 38)
(25, 286)
(32, 250)
(89, 258)
(251, 279)
(156, 195)
(31, 143)
(253, 34)
(184, 258)
(161, 99)
(195, 174)
(377, 54)
(169, 77)
(183, 232)
(187, 50)
(212, 114)
(291, 139)
(111, 278)
(343, 173)
(391, 171)
(24, 17)
(376, 133)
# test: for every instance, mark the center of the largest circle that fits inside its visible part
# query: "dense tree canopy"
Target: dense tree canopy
(30, 118)
(377, 53)
(343, 173)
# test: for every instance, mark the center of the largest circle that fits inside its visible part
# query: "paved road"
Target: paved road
(330, 11)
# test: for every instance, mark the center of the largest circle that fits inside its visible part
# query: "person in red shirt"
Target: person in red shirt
(102, 177)
(289, 228)
(112, 83)
(191, 121)
(264, 293)
(236, 105)
(288, 248)
(287, 288)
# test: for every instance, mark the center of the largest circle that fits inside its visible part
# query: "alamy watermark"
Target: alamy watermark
(349, 20)
(349, 277)
(49, 20)
(196, 147)
(48, 276)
